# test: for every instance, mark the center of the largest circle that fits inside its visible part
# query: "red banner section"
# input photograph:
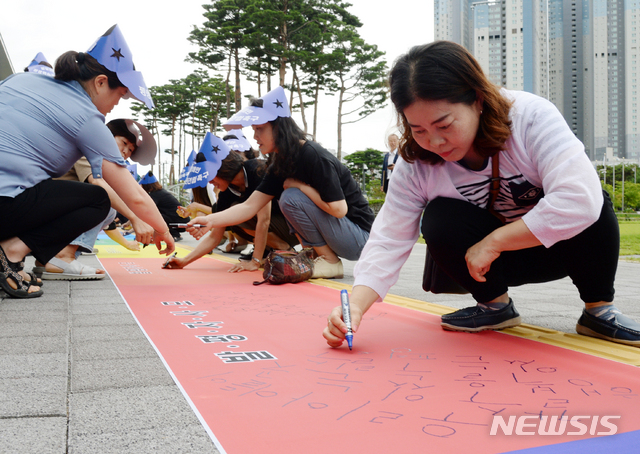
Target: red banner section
(252, 361)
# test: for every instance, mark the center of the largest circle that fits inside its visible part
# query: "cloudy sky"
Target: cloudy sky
(157, 30)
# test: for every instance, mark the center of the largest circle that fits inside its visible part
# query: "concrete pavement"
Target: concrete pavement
(77, 375)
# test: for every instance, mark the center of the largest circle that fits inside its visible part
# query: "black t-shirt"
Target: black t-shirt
(227, 198)
(322, 171)
(167, 205)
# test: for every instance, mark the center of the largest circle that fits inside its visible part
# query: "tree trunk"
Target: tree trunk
(259, 75)
(226, 85)
(340, 102)
(284, 40)
(216, 117)
(194, 129)
(238, 93)
(173, 139)
(316, 95)
(182, 138)
(296, 85)
(157, 131)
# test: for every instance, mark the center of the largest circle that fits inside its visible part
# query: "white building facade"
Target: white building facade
(582, 55)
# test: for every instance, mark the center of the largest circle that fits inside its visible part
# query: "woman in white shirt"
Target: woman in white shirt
(549, 220)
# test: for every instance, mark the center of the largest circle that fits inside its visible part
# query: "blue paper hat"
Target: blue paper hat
(149, 178)
(274, 105)
(112, 52)
(240, 143)
(36, 67)
(133, 170)
(214, 150)
(190, 160)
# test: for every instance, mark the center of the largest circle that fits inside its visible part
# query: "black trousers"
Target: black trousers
(48, 216)
(450, 227)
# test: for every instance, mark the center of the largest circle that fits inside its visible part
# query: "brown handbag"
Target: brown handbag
(282, 267)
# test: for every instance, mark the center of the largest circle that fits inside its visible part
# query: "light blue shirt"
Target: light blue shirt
(45, 126)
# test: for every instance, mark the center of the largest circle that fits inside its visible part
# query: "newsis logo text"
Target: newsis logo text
(554, 425)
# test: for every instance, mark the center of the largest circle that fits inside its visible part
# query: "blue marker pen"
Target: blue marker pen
(346, 316)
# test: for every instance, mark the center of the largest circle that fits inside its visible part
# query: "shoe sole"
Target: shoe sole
(47, 276)
(591, 333)
(506, 324)
(328, 277)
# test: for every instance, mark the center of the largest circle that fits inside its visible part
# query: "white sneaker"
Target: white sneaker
(326, 270)
(248, 251)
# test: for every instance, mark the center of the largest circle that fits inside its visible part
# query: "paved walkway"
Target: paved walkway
(77, 375)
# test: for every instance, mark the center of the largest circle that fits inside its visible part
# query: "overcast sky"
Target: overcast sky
(157, 30)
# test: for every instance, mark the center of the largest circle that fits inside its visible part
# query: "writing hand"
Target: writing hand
(336, 330)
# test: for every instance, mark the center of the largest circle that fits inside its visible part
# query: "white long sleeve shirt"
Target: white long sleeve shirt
(547, 181)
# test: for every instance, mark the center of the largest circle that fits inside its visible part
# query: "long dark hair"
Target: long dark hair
(83, 67)
(288, 138)
(447, 71)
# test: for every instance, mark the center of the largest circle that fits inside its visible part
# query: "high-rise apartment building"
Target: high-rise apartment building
(582, 55)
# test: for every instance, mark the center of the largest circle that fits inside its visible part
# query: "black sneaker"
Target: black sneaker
(617, 328)
(476, 318)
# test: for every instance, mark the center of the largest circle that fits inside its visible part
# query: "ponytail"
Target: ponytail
(82, 67)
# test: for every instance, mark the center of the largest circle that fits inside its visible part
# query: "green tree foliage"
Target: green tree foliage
(366, 167)
(185, 107)
(312, 45)
(631, 188)
(221, 39)
(360, 73)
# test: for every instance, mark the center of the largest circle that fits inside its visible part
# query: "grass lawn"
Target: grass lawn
(629, 238)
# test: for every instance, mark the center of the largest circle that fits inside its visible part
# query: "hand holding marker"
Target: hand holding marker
(184, 226)
(169, 259)
(346, 316)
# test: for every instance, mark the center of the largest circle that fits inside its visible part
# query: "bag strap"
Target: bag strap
(494, 189)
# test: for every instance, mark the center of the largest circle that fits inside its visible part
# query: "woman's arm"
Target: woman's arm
(260, 241)
(510, 237)
(231, 216)
(193, 210)
(116, 236)
(337, 209)
(144, 232)
(204, 246)
(140, 203)
(362, 298)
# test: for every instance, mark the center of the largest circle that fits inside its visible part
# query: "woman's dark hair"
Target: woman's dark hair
(230, 166)
(447, 71)
(83, 67)
(288, 138)
(119, 128)
(200, 195)
(151, 187)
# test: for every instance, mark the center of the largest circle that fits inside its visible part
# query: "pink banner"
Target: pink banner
(253, 362)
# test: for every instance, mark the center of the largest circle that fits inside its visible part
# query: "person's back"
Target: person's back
(35, 144)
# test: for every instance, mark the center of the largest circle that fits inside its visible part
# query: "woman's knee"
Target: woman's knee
(452, 223)
(292, 200)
